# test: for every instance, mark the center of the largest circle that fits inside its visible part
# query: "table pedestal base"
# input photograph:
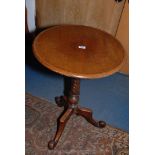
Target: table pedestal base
(70, 104)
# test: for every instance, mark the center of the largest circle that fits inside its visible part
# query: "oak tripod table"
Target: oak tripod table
(77, 52)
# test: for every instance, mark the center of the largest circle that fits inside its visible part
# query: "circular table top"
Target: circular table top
(79, 51)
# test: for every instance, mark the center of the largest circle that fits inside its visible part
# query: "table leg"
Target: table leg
(61, 125)
(70, 104)
(88, 115)
(61, 101)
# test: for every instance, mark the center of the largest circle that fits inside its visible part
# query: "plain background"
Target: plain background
(142, 75)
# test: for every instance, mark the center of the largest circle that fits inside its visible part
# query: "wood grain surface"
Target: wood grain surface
(79, 51)
(102, 14)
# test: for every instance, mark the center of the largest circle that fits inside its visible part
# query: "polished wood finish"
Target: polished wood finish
(102, 14)
(61, 125)
(88, 115)
(79, 51)
(70, 104)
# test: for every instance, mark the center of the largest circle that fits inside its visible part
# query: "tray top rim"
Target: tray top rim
(72, 73)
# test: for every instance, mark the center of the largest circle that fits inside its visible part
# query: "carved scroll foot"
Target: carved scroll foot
(61, 101)
(87, 114)
(61, 125)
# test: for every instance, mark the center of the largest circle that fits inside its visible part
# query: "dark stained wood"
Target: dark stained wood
(70, 104)
(88, 115)
(79, 51)
(61, 125)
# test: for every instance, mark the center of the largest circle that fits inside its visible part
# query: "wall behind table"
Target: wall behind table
(31, 13)
(102, 14)
(123, 35)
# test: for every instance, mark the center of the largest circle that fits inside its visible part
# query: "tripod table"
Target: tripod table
(77, 51)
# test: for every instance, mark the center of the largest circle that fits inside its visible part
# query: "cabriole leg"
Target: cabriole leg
(88, 115)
